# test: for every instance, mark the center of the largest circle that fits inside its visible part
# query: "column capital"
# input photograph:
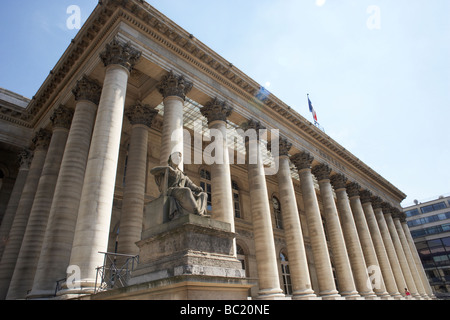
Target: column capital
(387, 208)
(396, 213)
(339, 181)
(216, 110)
(62, 117)
(353, 189)
(141, 114)
(366, 196)
(122, 54)
(41, 139)
(87, 89)
(321, 171)
(172, 85)
(284, 146)
(377, 203)
(254, 125)
(25, 158)
(302, 160)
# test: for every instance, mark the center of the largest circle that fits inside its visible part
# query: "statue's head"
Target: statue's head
(175, 159)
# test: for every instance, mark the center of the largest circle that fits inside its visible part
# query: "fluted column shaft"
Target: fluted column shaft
(8, 219)
(19, 225)
(266, 260)
(217, 113)
(58, 240)
(353, 245)
(415, 277)
(141, 117)
(390, 250)
(298, 264)
(25, 269)
(327, 287)
(383, 259)
(365, 238)
(94, 214)
(410, 285)
(347, 287)
(173, 89)
(417, 261)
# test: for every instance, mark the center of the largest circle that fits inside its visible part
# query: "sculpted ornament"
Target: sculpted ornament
(41, 139)
(184, 196)
(141, 114)
(339, 181)
(302, 160)
(62, 117)
(87, 89)
(322, 172)
(172, 85)
(216, 110)
(121, 54)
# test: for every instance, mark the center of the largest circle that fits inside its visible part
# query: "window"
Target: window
(241, 257)
(236, 201)
(205, 184)
(277, 212)
(433, 207)
(411, 213)
(286, 274)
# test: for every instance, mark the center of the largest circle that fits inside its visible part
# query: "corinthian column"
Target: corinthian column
(415, 277)
(141, 118)
(369, 203)
(390, 250)
(298, 264)
(418, 263)
(327, 287)
(410, 285)
(347, 287)
(354, 249)
(174, 90)
(12, 248)
(217, 112)
(25, 269)
(266, 260)
(94, 214)
(25, 158)
(364, 235)
(58, 240)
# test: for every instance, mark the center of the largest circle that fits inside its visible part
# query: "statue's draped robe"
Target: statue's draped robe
(184, 196)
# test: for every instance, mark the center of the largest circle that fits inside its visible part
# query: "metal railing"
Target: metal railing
(115, 272)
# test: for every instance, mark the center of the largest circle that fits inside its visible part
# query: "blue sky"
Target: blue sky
(383, 93)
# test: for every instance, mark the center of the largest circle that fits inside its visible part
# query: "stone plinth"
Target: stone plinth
(189, 245)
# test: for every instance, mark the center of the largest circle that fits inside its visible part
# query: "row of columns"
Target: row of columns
(59, 215)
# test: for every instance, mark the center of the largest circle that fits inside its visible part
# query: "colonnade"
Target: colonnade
(58, 217)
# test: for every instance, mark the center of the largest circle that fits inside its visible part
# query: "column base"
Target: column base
(41, 295)
(305, 295)
(330, 295)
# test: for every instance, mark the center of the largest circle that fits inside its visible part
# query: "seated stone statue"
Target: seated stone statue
(183, 195)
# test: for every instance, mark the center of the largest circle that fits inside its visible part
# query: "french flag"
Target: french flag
(311, 109)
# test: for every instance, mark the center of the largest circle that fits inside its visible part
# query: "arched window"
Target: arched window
(242, 258)
(286, 274)
(277, 212)
(236, 201)
(205, 184)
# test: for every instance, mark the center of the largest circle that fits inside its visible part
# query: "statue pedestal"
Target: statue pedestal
(189, 258)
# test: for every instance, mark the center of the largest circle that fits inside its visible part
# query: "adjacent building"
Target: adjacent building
(429, 223)
(149, 167)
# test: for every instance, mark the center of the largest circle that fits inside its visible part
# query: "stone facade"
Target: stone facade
(132, 89)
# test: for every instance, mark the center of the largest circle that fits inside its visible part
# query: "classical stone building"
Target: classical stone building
(92, 208)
